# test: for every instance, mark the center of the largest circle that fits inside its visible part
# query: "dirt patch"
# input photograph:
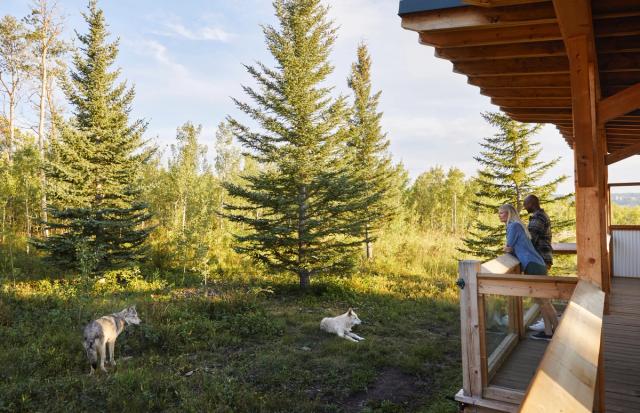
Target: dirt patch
(394, 386)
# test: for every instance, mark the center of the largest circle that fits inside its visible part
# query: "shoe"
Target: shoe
(541, 336)
(537, 326)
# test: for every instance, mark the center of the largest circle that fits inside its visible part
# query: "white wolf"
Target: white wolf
(104, 331)
(341, 325)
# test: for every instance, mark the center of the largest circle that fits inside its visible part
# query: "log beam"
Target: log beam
(619, 104)
(623, 153)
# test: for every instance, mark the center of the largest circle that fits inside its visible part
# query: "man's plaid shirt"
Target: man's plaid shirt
(540, 230)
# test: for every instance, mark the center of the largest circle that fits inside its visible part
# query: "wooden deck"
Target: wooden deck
(622, 346)
(518, 370)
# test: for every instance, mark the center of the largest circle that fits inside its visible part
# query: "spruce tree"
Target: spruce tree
(96, 215)
(300, 206)
(369, 145)
(510, 170)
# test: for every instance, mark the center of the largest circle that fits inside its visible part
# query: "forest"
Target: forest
(232, 263)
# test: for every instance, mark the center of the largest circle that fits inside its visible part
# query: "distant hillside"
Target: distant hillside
(627, 199)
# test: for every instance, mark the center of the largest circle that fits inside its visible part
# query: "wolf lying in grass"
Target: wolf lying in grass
(104, 331)
(341, 325)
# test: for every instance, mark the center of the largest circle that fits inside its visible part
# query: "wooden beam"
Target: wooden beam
(467, 17)
(583, 74)
(470, 329)
(623, 26)
(528, 81)
(516, 66)
(619, 44)
(499, 3)
(503, 51)
(532, 103)
(566, 377)
(529, 93)
(619, 62)
(482, 405)
(619, 104)
(492, 36)
(623, 153)
(504, 394)
(563, 248)
(516, 285)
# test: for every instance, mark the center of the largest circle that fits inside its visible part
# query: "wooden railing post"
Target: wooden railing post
(470, 329)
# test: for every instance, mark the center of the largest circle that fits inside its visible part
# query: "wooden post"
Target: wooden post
(470, 329)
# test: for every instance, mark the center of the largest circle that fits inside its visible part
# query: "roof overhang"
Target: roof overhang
(515, 51)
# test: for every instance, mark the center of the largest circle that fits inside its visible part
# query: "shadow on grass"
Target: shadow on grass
(253, 346)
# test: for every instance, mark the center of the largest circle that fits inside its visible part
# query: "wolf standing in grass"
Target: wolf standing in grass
(104, 331)
(341, 325)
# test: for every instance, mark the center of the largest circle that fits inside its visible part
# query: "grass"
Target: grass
(253, 344)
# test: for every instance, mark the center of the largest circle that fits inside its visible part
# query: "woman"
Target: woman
(519, 244)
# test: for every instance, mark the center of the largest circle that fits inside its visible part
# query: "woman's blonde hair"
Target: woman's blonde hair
(513, 216)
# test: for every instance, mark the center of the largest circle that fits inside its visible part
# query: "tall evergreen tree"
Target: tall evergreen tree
(97, 217)
(509, 171)
(372, 162)
(302, 202)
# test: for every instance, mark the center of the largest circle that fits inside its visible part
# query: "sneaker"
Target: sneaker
(537, 326)
(541, 336)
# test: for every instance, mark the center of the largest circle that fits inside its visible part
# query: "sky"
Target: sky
(186, 59)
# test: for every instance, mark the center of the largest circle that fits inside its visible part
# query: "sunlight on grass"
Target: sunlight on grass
(251, 342)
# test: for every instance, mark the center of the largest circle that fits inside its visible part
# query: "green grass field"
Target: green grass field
(253, 344)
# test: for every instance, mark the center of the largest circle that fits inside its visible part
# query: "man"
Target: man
(540, 229)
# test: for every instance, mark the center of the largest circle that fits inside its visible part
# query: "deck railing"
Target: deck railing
(500, 277)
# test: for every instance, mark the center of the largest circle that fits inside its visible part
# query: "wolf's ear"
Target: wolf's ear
(350, 311)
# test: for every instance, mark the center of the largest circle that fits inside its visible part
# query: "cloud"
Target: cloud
(207, 33)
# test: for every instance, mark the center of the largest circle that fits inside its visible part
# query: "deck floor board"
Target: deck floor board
(518, 370)
(621, 338)
(621, 357)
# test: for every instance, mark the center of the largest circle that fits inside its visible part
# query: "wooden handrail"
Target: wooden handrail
(517, 285)
(566, 377)
(503, 264)
(562, 248)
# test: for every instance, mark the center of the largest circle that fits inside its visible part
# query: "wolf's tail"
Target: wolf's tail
(90, 347)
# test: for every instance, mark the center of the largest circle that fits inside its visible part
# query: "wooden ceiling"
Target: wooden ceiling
(514, 51)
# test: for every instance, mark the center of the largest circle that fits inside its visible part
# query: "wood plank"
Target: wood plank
(621, 357)
(566, 378)
(466, 17)
(504, 394)
(520, 367)
(515, 66)
(491, 36)
(503, 264)
(503, 51)
(532, 103)
(584, 123)
(623, 26)
(524, 81)
(619, 62)
(561, 248)
(527, 286)
(619, 104)
(529, 93)
(470, 329)
(625, 153)
(478, 403)
(498, 3)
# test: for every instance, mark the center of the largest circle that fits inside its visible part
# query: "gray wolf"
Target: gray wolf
(103, 332)
(341, 325)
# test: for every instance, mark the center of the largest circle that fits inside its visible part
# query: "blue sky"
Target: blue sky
(185, 59)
